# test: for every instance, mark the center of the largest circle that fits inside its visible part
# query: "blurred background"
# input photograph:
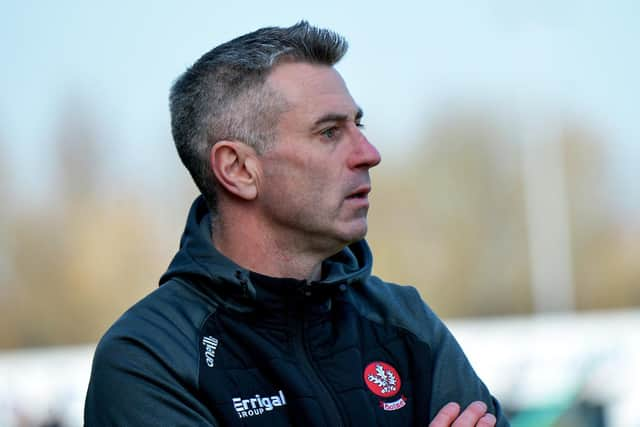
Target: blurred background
(507, 193)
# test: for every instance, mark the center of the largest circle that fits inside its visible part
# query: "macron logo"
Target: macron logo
(210, 346)
(258, 405)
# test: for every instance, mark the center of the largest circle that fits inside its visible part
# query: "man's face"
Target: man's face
(315, 178)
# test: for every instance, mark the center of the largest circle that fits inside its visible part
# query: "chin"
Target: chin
(355, 234)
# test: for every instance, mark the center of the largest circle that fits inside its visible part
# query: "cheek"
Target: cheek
(305, 181)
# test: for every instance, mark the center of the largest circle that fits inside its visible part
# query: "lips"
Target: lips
(360, 192)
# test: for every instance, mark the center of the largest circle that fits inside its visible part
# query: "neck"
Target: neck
(254, 248)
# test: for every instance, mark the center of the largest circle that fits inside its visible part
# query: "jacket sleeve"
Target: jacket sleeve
(132, 384)
(454, 379)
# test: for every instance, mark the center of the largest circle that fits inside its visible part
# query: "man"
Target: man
(268, 314)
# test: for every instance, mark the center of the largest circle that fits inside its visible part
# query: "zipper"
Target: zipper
(329, 406)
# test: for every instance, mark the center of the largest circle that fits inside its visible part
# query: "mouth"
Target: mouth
(360, 193)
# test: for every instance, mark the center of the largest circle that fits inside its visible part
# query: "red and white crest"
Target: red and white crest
(382, 379)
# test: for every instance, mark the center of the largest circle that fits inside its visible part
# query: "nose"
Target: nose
(364, 154)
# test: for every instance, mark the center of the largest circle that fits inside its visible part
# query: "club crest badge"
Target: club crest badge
(383, 380)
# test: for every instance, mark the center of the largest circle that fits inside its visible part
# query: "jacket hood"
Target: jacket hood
(199, 261)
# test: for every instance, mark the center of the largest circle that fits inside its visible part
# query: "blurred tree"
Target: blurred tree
(606, 251)
(5, 263)
(79, 153)
(81, 260)
(450, 219)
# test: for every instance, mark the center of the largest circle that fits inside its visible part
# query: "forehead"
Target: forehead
(312, 89)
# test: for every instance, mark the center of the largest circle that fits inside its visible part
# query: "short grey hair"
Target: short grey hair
(223, 95)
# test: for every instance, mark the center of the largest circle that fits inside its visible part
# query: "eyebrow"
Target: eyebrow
(335, 117)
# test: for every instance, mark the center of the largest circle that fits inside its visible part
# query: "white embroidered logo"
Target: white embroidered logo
(210, 346)
(384, 379)
(257, 405)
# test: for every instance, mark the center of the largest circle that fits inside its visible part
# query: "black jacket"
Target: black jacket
(217, 345)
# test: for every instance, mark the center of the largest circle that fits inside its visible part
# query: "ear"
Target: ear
(235, 167)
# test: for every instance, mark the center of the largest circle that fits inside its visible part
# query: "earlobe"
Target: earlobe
(233, 164)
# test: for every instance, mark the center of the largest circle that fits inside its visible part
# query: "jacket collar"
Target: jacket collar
(198, 261)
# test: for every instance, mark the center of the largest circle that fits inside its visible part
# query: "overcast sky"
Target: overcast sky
(407, 60)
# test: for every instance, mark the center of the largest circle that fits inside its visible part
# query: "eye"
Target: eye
(360, 125)
(330, 133)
